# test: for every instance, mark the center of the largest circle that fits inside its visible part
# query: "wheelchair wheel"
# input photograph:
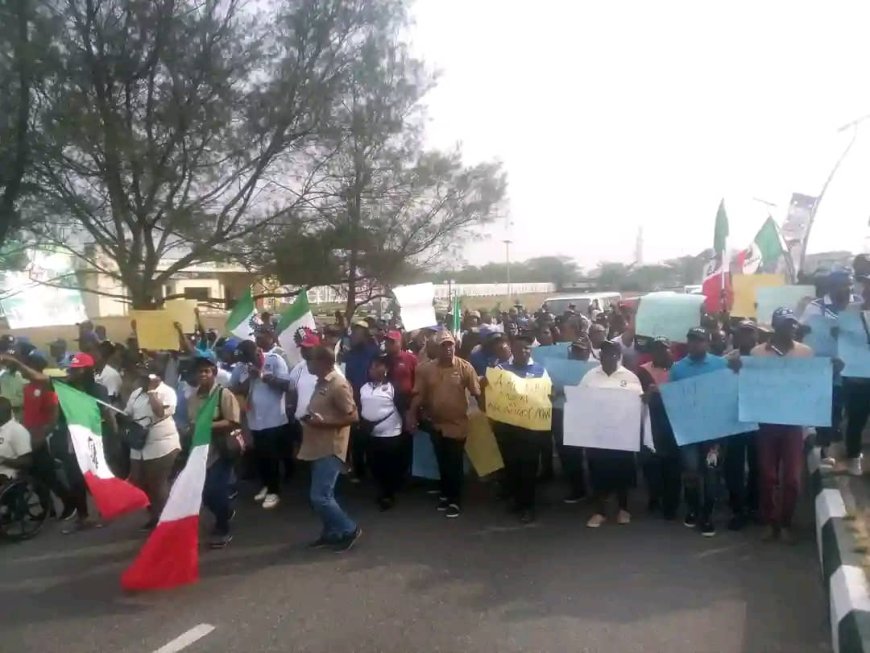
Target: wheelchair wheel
(22, 511)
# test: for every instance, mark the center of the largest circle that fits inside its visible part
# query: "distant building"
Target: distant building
(824, 261)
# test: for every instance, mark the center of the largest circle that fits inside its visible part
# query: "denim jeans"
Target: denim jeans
(216, 493)
(324, 474)
(699, 480)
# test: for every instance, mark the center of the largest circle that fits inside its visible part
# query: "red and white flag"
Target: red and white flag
(113, 496)
(170, 555)
(716, 285)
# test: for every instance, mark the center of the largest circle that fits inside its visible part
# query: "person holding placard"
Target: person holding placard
(661, 468)
(857, 389)
(570, 457)
(780, 447)
(826, 310)
(741, 459)
(611, 471)
(700, 461)
(440, 392)
(520, 447)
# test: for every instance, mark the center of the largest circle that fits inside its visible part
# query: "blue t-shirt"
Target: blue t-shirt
(357, 361)
(687, 368)
(530, 371)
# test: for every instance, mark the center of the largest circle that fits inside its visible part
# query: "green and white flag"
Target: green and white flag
(297, 316)
(240, 321)
(456, 327)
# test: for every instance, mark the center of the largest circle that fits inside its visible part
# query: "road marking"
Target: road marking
(186, 639)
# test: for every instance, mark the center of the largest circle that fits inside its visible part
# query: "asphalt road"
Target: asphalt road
(418, 582)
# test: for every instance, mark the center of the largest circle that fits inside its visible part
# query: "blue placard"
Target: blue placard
(852, 346)
(668, 314)
(820, 338)
(567, 372)
(782, 390)
(542, 353)
(424, 463)
(704, 407)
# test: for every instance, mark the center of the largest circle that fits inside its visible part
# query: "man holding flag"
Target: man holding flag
(717, 282)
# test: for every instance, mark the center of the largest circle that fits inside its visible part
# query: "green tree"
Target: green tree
(180, 127)
(385, 205)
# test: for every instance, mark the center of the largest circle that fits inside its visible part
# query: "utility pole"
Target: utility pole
(507, 258)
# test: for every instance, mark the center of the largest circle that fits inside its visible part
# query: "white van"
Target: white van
(599, 301)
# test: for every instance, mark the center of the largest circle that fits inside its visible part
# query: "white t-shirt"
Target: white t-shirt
(110, 379)
(378, 403)
(222, 378)
(14, 443)
(163, 434)
(304, 381)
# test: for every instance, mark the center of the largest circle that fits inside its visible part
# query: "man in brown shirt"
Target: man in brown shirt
(325, 434)
(440, 393)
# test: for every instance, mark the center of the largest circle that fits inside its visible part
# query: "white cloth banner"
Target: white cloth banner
(415, 301)
(603, 418)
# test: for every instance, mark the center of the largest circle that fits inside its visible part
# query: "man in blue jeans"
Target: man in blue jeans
(700, 461)
(325, 434)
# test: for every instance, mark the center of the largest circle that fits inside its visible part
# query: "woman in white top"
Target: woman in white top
(382, 419)
(152, 405)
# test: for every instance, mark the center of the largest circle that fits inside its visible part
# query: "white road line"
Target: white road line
(186, 639)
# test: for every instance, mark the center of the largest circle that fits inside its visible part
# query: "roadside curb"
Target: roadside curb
(841, 565)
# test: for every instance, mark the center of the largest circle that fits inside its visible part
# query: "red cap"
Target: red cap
(310, 339)
(81, 360)
(394, 335)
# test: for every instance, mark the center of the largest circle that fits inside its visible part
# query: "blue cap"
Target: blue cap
(231, 344)
(781, 315)
(206, 356)
(840, 274)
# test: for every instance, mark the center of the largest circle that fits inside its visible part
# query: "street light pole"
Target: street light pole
(854, 126)
(507, 257)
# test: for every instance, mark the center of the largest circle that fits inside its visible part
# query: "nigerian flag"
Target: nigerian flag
(296, 317)
(240, 321)
(170, 555)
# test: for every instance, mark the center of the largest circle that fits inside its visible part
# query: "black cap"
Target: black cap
(747, 325)
(661, 341)
(697, 333)
(609, 345)
(525, 337)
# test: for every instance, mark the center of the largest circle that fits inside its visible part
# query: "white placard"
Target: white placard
(603, 418)
(415, 301)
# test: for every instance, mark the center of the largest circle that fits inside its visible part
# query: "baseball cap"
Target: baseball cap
(205, 357)
(310, 339)
(697, 333)
(782, 315)
(609, 345)
(747, 325)
(840, 274)
(394, 335)
(474, 313)
(360, 323)
(661, 341)
(81, 361)
(443, 337)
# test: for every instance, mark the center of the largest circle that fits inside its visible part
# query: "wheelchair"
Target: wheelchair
(24, 508)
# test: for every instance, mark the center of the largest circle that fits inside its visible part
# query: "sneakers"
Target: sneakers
(261, 495)
(68, 514)
(219, 541)
(572, 498)
(346, 543)
(690, 521)
(271, 501)
(443, 504)
(854, 467)
(321, 542)
(453, 511)
(623, 518)
(596, 520)
(708, 529)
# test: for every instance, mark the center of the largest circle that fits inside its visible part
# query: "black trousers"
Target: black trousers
(386, 459)
(741, 472)
(664, 479)
(268, 445)
(857, 412)
(78, 491)
(358, 447)
(520, 450)
(571, 458)
(827, 435)
(43, 471)
(449, 453)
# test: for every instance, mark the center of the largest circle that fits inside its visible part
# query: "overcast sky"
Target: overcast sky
(609, 115)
